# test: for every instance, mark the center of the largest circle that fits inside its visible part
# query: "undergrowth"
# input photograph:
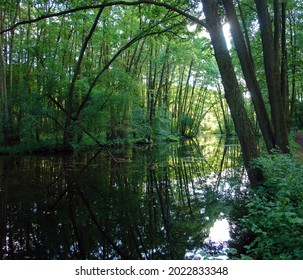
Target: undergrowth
(272, 224)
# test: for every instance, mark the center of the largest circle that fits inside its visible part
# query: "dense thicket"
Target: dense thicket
(104, 74)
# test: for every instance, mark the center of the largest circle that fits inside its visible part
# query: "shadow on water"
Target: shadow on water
(157, 202)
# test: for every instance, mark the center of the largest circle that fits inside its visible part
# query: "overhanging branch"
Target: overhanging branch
(108, 4)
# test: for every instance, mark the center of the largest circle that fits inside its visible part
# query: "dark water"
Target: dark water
(155, 202)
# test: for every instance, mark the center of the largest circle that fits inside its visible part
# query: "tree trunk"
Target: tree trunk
(293, 44)
(284, 80)
(68, 130)
(243, 126)
(249, 75)
(5, 110)
(273, 75)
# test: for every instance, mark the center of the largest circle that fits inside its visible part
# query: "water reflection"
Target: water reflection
(215, 246)
(156, 202)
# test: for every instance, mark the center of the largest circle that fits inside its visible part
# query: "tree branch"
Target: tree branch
(108, 4)
(126, 46)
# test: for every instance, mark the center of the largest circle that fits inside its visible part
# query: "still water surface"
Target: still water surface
(160, 202)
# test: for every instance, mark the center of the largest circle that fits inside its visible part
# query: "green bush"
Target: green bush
(274, 211)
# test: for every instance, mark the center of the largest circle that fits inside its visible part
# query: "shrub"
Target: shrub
(274, 216)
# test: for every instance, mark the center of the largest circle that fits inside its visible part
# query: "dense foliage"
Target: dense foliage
(116, 74)
(271, 227)
(107, 76)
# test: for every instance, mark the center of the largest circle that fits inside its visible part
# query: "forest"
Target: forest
(122, 78)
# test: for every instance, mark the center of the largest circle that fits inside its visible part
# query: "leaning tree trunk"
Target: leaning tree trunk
(68, 130)
(250, 75)
(234, 97)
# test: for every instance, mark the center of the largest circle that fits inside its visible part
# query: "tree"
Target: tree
(8, 14)
(233, 94)
(249, 74)
(271, 51)
(68, 131)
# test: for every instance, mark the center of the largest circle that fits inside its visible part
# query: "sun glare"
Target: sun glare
(205, 34)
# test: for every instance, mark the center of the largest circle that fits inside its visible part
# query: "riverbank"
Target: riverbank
(271, 225)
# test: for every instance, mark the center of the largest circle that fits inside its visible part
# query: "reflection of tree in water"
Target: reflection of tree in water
(143, 203)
